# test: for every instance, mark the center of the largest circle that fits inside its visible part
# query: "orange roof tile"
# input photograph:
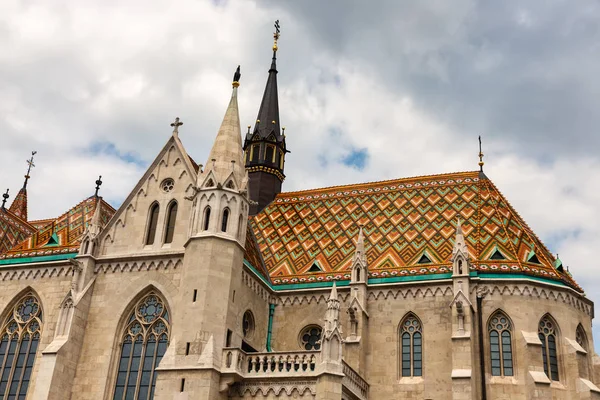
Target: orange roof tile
(403, 219)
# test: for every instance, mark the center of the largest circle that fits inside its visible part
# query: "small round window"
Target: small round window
(248, 324)
(167, 185)
(310, 337)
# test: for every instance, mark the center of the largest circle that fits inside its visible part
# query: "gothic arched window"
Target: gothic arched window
(547, 333)
(18, 346)
(411, 339)
(310, 337)
(143, 345)
(206, 218)
(225, 220)
(171, 218)
(153, 220)
(499, 329)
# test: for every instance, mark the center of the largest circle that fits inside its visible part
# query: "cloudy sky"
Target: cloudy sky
(366, 93)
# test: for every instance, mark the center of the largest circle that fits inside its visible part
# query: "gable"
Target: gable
(170, 178)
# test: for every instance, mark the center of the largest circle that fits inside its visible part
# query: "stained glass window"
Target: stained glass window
(547, 333)
(143, 345)
(499, 330)
(152, 224)
(411, 344)
(171, 218)
(18, 346)
(310, 337)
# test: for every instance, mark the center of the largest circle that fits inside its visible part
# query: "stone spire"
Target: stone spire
(19, 204)
(332, 334)
(359, 262)
(265, 146)
(460, 252)
(459, 241)
(226, 157)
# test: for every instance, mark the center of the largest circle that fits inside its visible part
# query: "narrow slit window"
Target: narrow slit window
(224, 220)
(171, 218)
(152, 224)
(206, 218)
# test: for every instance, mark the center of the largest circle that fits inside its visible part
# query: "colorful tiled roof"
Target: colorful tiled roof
(13, 230)
(19, 204)
(403, 220)
(252, 254)
(63, 234)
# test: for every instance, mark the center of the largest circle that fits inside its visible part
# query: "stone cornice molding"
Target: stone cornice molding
(263, 388)
(50, 270)
(308, 298)
(413, 292)
(138, 265)
(258, 287)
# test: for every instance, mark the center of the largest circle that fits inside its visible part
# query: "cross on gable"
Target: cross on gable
(176, 125)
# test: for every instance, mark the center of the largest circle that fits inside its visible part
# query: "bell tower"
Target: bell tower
(264, 146)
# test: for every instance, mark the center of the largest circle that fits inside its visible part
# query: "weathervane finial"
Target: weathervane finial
(276, 35)
(98, 183)
(236, 77)
(480, 156)
(30, 165)
(4, 198)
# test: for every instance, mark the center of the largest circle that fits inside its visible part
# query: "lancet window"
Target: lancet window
(225, 220)
(18, 346)
(411, 346)
(153, 220)
(143, 345)
(171, 219)
(547, 333)
(206, 221)
(500, 334)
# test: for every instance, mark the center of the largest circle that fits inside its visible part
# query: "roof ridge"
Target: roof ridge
(413, 178)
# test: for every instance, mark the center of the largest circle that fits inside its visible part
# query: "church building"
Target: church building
(210, 282)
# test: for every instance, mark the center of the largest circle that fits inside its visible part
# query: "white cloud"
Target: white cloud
(79, 76)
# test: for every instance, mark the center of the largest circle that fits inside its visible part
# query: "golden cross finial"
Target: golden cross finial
(276, 35)
(176, 125)
(480, 156)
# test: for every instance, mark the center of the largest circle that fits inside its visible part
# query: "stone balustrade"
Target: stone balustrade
(353, 382)
(264, 365)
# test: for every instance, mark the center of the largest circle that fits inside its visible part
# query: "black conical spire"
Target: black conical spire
(264, 146)
(267, 121)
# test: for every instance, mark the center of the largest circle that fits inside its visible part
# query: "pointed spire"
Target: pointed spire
(459, 240)
(19, 204)
(5, 197)
(360, 242)
(267, 120)
(226, 154)
(333, 296)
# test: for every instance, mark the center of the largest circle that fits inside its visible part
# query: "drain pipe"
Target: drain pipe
(481, 292)
(270, 327)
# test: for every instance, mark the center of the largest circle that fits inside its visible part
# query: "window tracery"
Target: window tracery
(411, 337)
(547, 333)
(310, 337)
(18, 347)
(500, 335)
(144, 343)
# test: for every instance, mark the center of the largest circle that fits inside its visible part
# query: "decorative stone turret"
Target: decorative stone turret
(332, 334)
(221, 205)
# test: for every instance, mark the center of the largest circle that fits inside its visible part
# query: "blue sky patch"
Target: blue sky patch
(357, 158)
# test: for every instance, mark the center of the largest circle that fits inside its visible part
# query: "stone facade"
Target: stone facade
(170, 304)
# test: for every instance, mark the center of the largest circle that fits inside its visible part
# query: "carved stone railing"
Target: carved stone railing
(354, 383)
(274, 364)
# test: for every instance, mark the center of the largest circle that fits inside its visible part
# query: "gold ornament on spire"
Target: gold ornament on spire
(236, 77)
(276, 35)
